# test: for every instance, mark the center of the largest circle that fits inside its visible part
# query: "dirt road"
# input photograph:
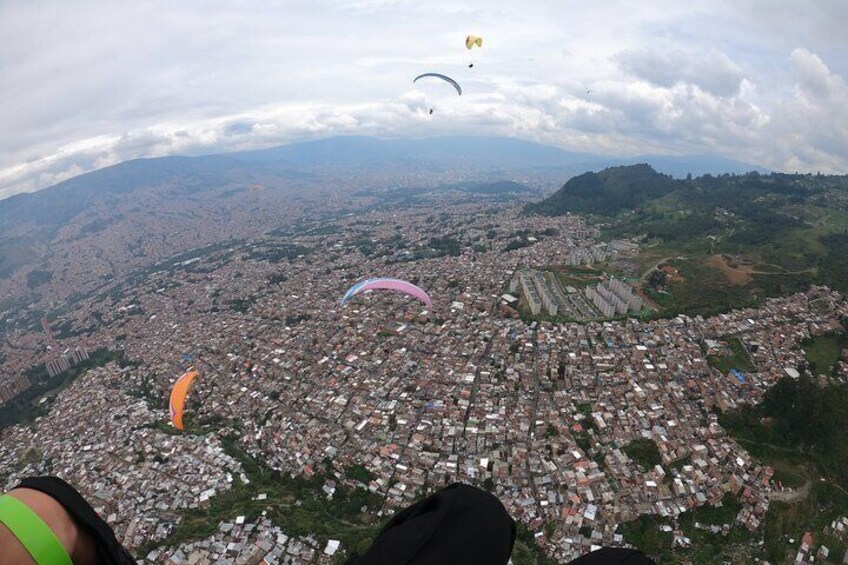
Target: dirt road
(792, 496)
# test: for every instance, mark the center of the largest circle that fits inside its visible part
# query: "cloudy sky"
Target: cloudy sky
(86, 84)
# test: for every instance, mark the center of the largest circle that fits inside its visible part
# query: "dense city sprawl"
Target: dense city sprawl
(539, 413)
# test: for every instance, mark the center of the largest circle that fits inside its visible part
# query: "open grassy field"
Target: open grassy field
(823, 352)
(578, 277)
(643, 452)
(738, 358)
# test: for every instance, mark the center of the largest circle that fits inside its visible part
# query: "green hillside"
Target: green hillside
(728, 241)
(608, 192)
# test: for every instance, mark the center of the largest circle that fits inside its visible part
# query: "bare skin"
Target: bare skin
(77, 542)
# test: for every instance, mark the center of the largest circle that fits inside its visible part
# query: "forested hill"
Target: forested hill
(607, 192)
(733, 239)
(639, 188)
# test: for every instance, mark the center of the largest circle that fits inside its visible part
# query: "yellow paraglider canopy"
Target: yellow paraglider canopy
(178, 397)
(473, 40)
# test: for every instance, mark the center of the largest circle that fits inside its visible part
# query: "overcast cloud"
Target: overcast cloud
(87, 84)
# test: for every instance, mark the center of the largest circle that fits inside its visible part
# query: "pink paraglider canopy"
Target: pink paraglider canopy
(389, 284)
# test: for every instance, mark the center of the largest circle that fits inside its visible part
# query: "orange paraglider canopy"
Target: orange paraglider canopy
(178, 397)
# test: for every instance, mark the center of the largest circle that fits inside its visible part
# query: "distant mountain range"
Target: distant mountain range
(490, 153)
(335, 155)
(144, 187)
(355, 152)
(490, 158)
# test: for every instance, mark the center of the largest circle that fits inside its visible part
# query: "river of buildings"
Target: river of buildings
(539, 413)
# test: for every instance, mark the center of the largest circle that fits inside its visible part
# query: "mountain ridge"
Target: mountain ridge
(29, 222)
(55, 204)
(363, 150)
(607, 191)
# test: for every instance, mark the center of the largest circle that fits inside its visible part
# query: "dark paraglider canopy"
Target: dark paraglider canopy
(445, 78)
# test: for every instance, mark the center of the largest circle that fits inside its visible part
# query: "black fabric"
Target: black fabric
(460, 525)
(614, 556)
(109, 551)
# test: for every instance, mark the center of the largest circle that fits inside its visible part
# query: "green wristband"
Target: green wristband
(38, 539)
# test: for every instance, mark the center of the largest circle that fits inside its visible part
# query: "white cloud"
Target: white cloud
(712, 72)
(90, 83)
(809, 130)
